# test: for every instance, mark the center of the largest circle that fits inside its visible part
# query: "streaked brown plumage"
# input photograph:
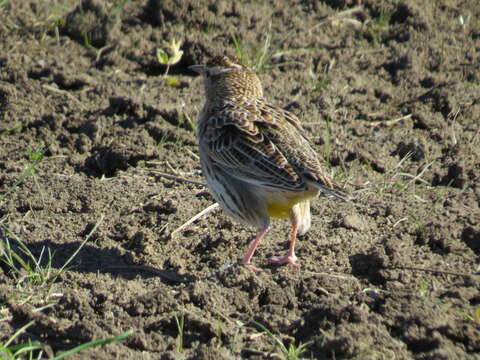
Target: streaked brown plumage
(255, 156)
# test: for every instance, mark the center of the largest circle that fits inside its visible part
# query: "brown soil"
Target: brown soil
(93, 94)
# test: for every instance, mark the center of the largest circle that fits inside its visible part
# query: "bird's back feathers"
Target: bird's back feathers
(263, 145)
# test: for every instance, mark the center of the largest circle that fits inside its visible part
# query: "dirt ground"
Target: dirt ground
(390, 95)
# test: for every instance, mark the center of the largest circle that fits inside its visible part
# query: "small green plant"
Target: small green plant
(292, 352)
(376, 28)
(191, 123)
(172, 81)
(163, 140)
(118, 6)
(87, 43)
(320, 77)
(219, 329)
(32, 270)
(322, 83)
(169, 58)
(260, 58)
(473, 316)
(173, 139)
(34, 157)
(423, 288)
(210, 25)
(383, 19)
(24, 271)
(180, 321)
(389, 179)
(12, 130)
(19, 351)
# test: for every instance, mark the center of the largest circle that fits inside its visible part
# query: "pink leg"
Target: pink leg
(251, 249)
(290, 258)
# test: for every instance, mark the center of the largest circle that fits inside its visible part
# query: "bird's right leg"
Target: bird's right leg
(253, 245)
(300, 219)
(290, 258)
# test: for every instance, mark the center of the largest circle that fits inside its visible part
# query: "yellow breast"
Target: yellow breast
(279, 208)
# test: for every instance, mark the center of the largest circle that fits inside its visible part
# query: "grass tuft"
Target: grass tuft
(24, 267)
(292, 352)
(377, 28)
(19, 351)
(180, 321)
(259, 57)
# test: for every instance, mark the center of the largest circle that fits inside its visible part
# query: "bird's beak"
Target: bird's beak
(197, 68)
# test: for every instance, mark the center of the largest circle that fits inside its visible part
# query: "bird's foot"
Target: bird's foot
(287, 259)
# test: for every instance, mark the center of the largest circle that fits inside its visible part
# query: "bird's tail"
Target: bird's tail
(332, 190)
(338, 193)
(327, 186)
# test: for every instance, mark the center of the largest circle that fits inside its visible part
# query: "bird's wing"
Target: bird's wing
(263, 145)
(288, 134)
(235, 142)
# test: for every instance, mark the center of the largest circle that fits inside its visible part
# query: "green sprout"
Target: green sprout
(31, 270)
(472, 316)
(423, 288)
(171, 56)
(292, 352)
(377, 28)
(259, 57)
(180, 321)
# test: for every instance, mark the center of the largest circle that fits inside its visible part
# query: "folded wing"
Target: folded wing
(264, 145)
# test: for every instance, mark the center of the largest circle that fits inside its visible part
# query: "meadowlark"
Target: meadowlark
(255, 156)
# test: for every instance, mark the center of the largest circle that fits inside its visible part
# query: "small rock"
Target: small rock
(354, 222)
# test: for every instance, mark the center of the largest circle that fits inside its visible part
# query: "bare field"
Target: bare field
(388, 91)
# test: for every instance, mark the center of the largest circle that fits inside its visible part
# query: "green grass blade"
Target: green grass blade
(18, 332)
(92, 343)
(62, 269)
(273, 337)
(27, 348)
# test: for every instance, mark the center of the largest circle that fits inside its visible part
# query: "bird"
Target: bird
(255, 156)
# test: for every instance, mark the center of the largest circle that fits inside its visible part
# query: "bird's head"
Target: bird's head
(225, 77)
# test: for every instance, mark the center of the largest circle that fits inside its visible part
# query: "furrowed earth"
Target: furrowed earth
(388, 92)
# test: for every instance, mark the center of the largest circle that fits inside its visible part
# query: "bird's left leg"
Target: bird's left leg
(262, 231)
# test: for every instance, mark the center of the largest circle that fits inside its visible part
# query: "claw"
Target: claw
(287, 259)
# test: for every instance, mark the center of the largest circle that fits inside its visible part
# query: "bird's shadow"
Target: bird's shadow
(91, 259)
